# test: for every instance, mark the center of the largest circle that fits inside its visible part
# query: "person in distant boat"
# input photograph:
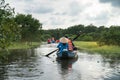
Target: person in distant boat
(63, 45)
(49, 41)
(53, 40)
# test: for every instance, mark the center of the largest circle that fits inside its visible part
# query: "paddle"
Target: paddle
(51, 52)
(57, 49)
(77, 36)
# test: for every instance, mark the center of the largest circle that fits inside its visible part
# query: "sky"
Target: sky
(65, 13)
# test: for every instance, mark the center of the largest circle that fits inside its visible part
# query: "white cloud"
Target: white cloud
(65, 13)
(114, 21)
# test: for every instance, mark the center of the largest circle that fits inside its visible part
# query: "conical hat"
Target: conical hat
(63, 40)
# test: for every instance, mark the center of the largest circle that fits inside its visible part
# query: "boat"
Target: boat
(66, 63)
(67, 54)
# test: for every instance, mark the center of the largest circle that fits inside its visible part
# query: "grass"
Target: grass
(23, 45)
(108, 51)
(86, 45)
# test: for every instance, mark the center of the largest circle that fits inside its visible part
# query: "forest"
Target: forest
(101, 34)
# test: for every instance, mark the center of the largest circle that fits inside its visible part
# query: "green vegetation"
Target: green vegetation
(17, 28)
(23, 45)
(9, 30)
(30, 28)
(23, 30)
(101, 34)
(108, 51)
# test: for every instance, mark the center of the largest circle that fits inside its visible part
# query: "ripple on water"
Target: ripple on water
(32, 65)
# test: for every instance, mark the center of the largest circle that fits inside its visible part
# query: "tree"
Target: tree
(90, 28)
(9, 30)
(30, 27)
(111, 36)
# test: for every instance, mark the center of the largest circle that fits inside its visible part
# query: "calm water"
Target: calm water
(33, 65)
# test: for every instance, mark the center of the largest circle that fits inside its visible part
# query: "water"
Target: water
(33, 65)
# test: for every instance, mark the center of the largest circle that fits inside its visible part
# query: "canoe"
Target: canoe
(67, 54)
(66, 63)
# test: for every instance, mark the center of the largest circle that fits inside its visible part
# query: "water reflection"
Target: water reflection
(65, 68)
(66, 64)
(17, 64)
(95, 67)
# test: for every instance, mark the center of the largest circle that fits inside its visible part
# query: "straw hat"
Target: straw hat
(63, 40)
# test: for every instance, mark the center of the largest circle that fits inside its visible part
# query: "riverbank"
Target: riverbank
(108, 51)
(17, 45)
(23, 45)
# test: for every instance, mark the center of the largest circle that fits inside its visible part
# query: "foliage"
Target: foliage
(30, 27)
(22, 45)
(102, 34)
(111, 36)
(9, 30)
(93, 47)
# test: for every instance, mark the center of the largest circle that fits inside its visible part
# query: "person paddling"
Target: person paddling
(63, 45)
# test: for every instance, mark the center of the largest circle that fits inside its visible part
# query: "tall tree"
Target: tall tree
(9, 30)
(29, 26)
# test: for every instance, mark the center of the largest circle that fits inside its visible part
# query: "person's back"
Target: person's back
(63, 45)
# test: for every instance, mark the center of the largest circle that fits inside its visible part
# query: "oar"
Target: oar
(51, 52)
(77, 36)
(57, 49)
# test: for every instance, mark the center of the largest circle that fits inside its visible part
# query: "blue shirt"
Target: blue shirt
(62, 47)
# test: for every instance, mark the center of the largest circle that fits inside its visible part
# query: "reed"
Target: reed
(111, 51)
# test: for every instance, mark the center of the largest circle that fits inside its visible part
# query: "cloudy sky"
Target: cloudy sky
(65, 13)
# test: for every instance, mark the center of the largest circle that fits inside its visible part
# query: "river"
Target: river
(31, 64)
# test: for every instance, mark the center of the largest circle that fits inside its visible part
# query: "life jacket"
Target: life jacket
(70, 46)
(49, 40)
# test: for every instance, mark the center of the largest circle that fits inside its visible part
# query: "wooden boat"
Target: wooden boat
(67, 54)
